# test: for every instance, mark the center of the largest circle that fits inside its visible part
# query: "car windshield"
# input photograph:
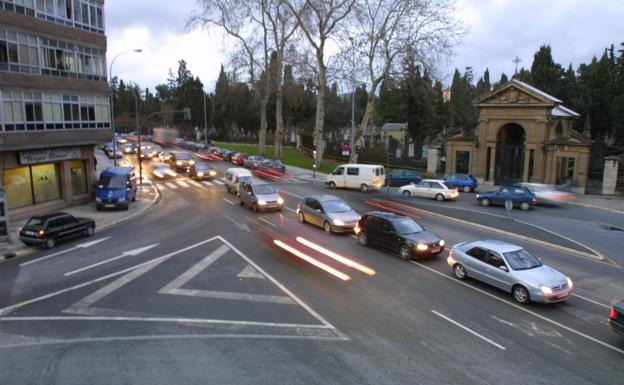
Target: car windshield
(202, 166)
(407, 226)
(264, 189)
(521, 260)
(34, 222)
(183, 156)
(336, 206)
(444, 185)
(113, 181)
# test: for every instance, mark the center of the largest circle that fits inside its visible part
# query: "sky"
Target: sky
(498, 31)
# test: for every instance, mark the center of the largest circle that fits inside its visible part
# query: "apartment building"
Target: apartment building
(54, 101)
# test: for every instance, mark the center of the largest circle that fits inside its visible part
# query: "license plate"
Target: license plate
(109, 205)
(436, 249)
(29, 232)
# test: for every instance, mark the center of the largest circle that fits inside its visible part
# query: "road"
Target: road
(196, 291)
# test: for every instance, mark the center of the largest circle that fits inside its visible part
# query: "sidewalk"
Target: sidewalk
(305, 174)
(611, 203)
(147, 196)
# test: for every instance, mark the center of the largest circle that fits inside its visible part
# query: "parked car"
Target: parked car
(202, 171)
(252, 161)
(259, 195)
(400, 177)
(239, 158)
(181, 161)
(269, 165)
(398, 233)
(510, 268)
(117, 187)
(358, 176)
(47, 230)
(234, 176)
(462, 182)
(616, 318)
(226, 155)
(548, 195)
(430, 188)
(162, 170)
(328, 212)
(130, 148)
(519, 197)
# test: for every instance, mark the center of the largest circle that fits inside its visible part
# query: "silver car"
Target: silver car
(259, 195)
(510, 268)
(329, 212)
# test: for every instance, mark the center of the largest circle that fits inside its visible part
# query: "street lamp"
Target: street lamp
(205, 118)
(138, 130)
(112, 107)
(352, 100)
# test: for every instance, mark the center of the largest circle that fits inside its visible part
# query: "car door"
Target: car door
(246, 194)
(501, 196)
(451, 180)
(54, 229)
(475, 263)
(495, 275)
(371, 228)
(71, 226)
(339, 177)
(352, 179)
(387, 235)
(395, 178)
(420, 190)
(311, 212)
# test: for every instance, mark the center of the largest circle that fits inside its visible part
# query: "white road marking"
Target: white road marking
(249, 272)
(501, 347)
(171, 185)
(128, 253)
(160, 187)
(289, 209)
(207, 183)
(194, 183)
(78, 246)
(292, 194)
(228, 201)
(222, 178)
(571, 330)
(592, 301)
(182, 183)
(267, 222)
(217, 181)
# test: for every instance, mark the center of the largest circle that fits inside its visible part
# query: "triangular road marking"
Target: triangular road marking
(250, 272)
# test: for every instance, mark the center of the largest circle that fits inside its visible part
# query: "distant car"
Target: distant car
(155, 151)
(164, 156)
(329, 212)
(130, 148)
(202, 171)
(239, 158)
(253, 161)
(400, 177)
(145, 152)
(463, 182)
(430, 188)
(519, 196)
(162, 171)
(114, 153)
(398, 233)
(546, 194)
(269, 165)
(259, 195)
(181, 161)
(616, 318)
(47, 230)
(227, 155)
(510, 268)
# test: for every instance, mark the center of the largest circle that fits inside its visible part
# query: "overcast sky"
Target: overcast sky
(499, 30)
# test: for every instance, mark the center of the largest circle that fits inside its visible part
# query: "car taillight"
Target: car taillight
(450, 253)
(533, 200)
(613, 314)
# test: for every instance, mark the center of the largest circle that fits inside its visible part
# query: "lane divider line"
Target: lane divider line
(312, 261)
(228, 201)
(474, 333)
(292, 194)
(592, 301)
(267, 221)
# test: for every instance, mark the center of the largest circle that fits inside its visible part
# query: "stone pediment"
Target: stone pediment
(511, 95)
(516, 92)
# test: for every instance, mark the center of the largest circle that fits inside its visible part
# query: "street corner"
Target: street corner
(210, 285)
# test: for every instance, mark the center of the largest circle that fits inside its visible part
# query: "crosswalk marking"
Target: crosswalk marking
(217, 181)
(194, 183)
(207, 183)
(160, 187)
(182, 183)
(171, 185)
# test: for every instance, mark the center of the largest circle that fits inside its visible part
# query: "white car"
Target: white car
(430, 188)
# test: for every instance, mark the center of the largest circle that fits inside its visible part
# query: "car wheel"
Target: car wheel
(300, 217)
(98, 207)
(460, 271)
(240, 201)
(439, 197)
(332, 185)
(467, 189)
(362, 239)
(407, 193)
(485, 202)
(90, 231)
(327, 227)
(525, 206)
(521, 294)
(364, 187)
(254, 207)
(50, 243)
(405, 253)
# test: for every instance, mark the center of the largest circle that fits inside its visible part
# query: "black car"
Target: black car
(398, 233)
(181, 161)
(398, 178)
(269, 165)
(616, 318)
(202, 171)
(47, 230)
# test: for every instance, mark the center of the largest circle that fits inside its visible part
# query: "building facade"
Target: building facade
(54, 101)
(523, 135)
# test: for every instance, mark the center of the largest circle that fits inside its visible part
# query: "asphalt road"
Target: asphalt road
(196, 291)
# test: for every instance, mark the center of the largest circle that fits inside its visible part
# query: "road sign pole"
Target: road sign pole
(508, 207)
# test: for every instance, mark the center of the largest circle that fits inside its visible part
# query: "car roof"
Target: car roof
(386, 215)
(496, 245)
(236, 170)
(45, 217)
(117, 171)
(433, 180)
(359, 165)
(323, 197)
(256, 181)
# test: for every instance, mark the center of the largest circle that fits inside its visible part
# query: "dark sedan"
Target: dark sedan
(47, 230)
(202, 171)
(519, 197)
(398, 178)
(271, 165)
(616, 318)
(398, 233)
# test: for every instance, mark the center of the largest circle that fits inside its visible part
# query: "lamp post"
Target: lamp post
(138, 130)
(205, 118)
(112, 107)
(352, 144)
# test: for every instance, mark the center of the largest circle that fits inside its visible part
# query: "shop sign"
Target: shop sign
(47, 155)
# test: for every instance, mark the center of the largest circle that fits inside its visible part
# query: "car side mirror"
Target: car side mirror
(503, 268)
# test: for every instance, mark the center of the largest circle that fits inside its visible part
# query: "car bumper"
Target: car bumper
(111, 205)
(616, 327)
(32, 240)
(430, 251)
(538, 296)
(270, 207)
(344, 229)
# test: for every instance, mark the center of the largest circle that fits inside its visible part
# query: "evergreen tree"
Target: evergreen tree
(545, 74)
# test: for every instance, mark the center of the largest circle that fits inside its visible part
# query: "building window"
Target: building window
(78, 177)
(45, 182)
(462, 161)
(18, 187)
(565, 170)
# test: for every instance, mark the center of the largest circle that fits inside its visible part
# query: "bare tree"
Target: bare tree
(245, 21)
(320, 20)
(387, 31)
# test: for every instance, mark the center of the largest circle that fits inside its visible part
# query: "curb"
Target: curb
(616, 211)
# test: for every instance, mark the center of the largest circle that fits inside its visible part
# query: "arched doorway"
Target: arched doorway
(509, 154)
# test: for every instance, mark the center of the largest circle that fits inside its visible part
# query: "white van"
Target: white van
(360, 176)
(233, 177)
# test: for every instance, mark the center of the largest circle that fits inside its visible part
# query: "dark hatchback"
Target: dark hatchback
(202, 171)
(398, 233)
(47, 230)
(519, 196)
(616, 318)
(398, 178)
(271, 165)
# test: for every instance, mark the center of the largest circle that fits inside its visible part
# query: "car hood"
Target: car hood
(110, 192)
(422, 237)
(542, 276)
(346, 217)
(269, 197)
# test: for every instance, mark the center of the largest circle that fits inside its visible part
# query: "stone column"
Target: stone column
(609, 175)
(433, 159)
(525, 166)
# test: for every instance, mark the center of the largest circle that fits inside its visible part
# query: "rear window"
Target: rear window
(444, 185)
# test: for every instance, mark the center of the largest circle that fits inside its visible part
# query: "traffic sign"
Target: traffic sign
(508, 207)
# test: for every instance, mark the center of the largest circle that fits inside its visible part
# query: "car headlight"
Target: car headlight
(477, 196)
(191, 161)
(213, 173)
(98, 199)
(441, 243)
(421, 247)
(356, 230)
(338, 222)
(179, 163)
(546, 290)
(570, 284)
(280, 201)
(200, 174)
(261, 202)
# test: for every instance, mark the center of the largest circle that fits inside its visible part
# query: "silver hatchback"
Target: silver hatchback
(259, 195)
(329, 212)
(510, 268)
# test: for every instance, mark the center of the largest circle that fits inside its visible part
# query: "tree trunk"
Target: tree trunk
(263, 124)
(359, 131)
(279, 106)
(320, 112)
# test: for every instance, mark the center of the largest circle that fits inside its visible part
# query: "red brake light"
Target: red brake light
(613, 314)
(533, 200)
(450, 253)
